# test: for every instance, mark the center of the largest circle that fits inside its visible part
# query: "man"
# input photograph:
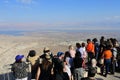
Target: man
(90, 50)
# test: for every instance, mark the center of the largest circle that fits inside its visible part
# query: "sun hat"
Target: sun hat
(59, 54)
(46, 49)
(19, 57)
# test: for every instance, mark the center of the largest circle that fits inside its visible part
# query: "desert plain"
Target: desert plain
(12, 45)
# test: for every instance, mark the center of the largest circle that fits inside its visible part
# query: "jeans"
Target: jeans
(90, 56)
(107, 65)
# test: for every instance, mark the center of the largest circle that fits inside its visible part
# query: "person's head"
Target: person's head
(93, 62)
(78, 45)
(19, 58)
(67, 54)
(115, 42)
(114, 45)
(48, 57)
(108, 47)
(60, 55)
(95, 40)
(88, 40)
(46, 50)
(32, 53)
(92, 71)
(102, 39)
(71, 47)
(83, 44)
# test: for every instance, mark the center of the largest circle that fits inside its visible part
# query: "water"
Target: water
(20, 33)
(14, 33)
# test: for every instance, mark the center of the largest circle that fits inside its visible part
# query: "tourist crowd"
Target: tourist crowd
(77, 63)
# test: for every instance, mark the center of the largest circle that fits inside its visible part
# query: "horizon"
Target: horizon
(22, 32)
(32, 15)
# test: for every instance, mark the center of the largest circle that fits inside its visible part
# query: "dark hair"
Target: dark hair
(92, 71)
(102, 39)
(95, 40)
(83, 44)
(77, 61)
(78, 45)
(32, 53)
(19, 61)
(108, 47)
(67, 54)
(46, 64)
(88, 40)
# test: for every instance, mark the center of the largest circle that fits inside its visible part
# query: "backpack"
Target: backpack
(92, 71)
(20, 70)
(62, 76)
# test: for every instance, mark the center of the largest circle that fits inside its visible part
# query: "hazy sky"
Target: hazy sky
(59, 14)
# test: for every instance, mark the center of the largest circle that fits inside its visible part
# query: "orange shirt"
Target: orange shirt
(107, 54)
(90, 47)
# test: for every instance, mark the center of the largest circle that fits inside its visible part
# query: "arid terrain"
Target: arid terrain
(11, 45)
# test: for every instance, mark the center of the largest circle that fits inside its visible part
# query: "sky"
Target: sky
(60, 14)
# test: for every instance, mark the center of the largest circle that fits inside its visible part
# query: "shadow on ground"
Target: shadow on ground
(117, 77)
(7, 76)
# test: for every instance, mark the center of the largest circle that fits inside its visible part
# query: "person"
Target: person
(46, 50)
(101, 47)
(83, 54)
(91, 74)
(59, 67)
(45, 69)
(78, 46)
(102, 39)
(72, 51)
(96, 44)
(107, 54)
(67, 63)
(19, 68)
(90, 50)
(100, 59)
(118, 59)
(114, 57)
(33, 59)
(92, 70)
(78, 70)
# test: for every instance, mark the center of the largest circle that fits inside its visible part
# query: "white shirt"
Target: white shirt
(83, 52)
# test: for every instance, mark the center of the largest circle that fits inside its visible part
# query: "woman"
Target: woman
(45, 69)
(59, 68)
(33, 59)
(78, 72)
(67, 63)
(83, 54)
(72, 51)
